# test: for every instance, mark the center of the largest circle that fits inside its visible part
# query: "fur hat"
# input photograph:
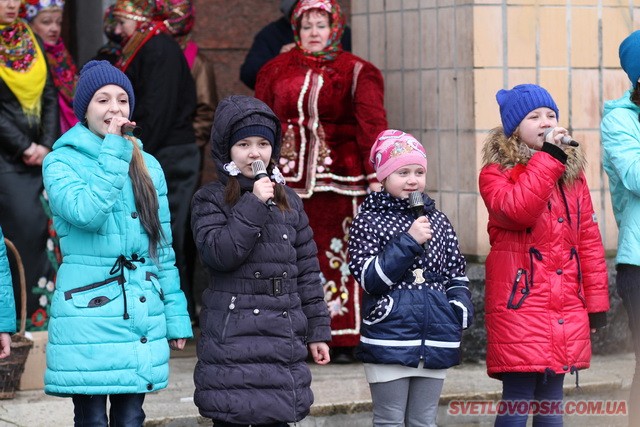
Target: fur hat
(394, 149)
(516, 103)
(629, 53)
(34, 7)
(93, 76)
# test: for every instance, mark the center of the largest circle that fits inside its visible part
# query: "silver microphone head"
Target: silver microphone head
(416, 203)
(258, 169)
(415, 199)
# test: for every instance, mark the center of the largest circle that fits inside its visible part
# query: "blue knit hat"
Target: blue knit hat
(629, 53)
(93, 76)
(516, 103)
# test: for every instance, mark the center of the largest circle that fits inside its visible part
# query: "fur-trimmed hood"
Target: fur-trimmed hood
(508, 152)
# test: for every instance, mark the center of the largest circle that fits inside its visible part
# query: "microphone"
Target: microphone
(259, 172)
(132, 130)
(416, 203)
(566, 140)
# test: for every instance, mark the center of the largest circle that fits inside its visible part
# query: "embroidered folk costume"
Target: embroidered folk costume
(28, 118)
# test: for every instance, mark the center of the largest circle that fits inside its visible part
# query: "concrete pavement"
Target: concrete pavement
(342, 396)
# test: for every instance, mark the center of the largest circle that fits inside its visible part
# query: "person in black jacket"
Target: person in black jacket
(264, 308)
(29, 125)
(165, 107)
(275, 38)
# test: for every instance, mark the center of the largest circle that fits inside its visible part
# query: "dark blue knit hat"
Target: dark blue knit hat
(629, 53)
(93, 76)
(254, 126)
(516, 103)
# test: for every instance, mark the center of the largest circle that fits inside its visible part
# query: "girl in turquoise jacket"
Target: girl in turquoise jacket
(117, 308)
(7, 303)
(620, 131)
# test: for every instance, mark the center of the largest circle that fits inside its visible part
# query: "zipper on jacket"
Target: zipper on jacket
(574, 252)
(533, 252)
(525, 291)
(232, 306)
(293, 381)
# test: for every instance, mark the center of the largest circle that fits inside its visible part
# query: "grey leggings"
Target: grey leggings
(408, 402)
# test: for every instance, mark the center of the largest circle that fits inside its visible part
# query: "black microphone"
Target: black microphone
(416, 203)
(132, 130)
(566, 140)
(259, 172)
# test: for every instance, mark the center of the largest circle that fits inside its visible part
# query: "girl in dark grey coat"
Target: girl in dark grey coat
(264, 304)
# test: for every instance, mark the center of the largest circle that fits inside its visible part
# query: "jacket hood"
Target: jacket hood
(623, 102)
(508, 152)
(231, 111)
(80, 138)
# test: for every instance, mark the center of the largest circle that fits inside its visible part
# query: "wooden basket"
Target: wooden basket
(11, 367)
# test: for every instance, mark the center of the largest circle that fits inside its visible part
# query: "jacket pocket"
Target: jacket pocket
(519, 290)
(379, 311)
(95, 294)
(153, 278)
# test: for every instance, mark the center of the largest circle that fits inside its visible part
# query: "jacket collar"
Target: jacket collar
(509, 152)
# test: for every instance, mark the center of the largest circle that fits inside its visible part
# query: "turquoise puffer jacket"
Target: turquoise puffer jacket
(114, 308)
(7, 302)
(620, 131)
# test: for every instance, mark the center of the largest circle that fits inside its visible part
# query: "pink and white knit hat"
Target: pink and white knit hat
(394, 149)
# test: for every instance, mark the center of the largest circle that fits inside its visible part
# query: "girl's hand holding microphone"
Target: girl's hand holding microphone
(264, 189)
(420, 230)
(559, 136)
(116, 125)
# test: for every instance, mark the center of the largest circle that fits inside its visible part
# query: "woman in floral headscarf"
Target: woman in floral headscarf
(331, 106)
(29, 125)
(45, 18)
(165, 106)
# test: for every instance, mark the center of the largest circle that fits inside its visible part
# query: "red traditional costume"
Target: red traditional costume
(331, 105)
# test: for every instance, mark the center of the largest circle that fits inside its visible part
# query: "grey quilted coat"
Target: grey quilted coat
(264, 302)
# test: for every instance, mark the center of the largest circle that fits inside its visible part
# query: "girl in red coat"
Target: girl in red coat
(546, 277)
(331, 106)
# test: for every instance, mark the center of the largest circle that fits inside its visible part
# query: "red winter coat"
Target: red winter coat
(546, 273)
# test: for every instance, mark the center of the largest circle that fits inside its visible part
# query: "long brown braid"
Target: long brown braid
(144, 193)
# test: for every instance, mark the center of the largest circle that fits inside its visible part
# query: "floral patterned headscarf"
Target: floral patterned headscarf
(333, 46)
(149, 15)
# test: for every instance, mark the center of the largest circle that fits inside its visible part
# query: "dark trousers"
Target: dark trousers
(222, 424)
(628, 286)
(90, 410)
(522, 390)
(181, 166)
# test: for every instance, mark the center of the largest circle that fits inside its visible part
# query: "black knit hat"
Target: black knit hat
(93, 76)
(262, 130)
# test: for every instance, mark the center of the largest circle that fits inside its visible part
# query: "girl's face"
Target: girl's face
(47, 25)
(109, 101)
(405, 180)
(9, 11)
(314, 30)
(531, 128)
(125, 27)
(248, 150)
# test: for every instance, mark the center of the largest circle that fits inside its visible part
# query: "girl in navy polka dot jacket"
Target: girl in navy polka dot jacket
(416, 301)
